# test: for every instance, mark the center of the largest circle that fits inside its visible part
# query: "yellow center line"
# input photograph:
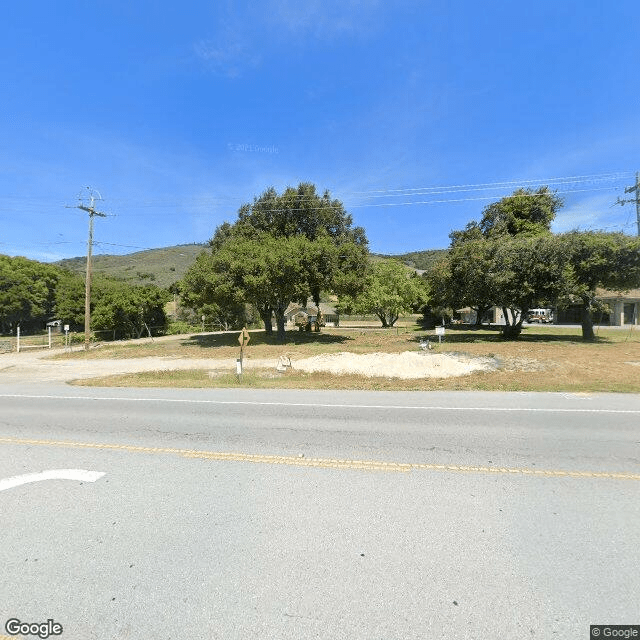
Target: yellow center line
(328, 463)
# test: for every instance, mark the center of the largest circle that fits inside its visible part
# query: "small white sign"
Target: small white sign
(239, 367)
(66, 327)
(439, 331)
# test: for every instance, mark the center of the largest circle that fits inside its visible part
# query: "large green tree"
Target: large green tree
(117, 307)
(465, 277)
(338, 257)
(491, 262)
(263, 270)
(69, 300)
(527, 271)
(128, 311)
(282, 248)
(390, 291)
(597, 259)
(208, 288)
(27, 293)
(526, 212)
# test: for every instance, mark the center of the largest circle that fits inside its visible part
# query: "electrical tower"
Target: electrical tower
(91, 210)
(635, 188)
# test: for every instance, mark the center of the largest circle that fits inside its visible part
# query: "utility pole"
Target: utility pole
(635, 188)
(91, 210)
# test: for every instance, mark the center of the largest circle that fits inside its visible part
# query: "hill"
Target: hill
(167, 265)
(422, 260)
(161, 267)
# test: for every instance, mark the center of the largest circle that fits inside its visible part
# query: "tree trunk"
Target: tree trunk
(587, 323)
(480, 311)
(280, 322)
(265, 314)
(383, 319)
(316, 301)
(512, 329)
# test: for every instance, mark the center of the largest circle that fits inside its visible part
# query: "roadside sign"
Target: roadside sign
(244, 337)
(439, 331)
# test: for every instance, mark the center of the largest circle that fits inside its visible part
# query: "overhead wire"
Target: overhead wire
(207, 200)
(361, 202)
(512, 183)
(361, 205)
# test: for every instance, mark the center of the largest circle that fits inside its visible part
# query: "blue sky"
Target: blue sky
(416, 114)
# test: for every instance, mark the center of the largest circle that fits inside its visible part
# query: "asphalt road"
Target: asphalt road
(247, 514)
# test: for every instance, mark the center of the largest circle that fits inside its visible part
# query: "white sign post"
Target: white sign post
(66, 337)
(439, 333)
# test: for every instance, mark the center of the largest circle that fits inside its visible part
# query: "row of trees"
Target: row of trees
(288, 247)
(32, 293)
(297, 245)
(510, 259)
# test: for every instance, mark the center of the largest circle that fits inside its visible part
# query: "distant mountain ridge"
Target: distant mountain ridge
(167, 265)
(422, 260)
(161, 267)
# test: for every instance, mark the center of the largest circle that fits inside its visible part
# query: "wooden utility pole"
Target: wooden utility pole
(635, 188)
(91, 210)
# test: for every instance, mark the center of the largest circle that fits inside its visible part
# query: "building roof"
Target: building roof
(634, 294)
(327, 308)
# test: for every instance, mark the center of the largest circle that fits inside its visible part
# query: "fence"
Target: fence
(54, 339)
(31, 340)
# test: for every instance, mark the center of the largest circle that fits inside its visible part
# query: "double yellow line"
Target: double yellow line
(325, 463)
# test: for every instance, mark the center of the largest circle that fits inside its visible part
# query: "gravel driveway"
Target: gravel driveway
(36, 366)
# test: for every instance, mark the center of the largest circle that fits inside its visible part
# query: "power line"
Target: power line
(206, 200)
(511, 184)
(126, 246)
(390, 193)
(426, 202)
(478, 198)
(362, 205)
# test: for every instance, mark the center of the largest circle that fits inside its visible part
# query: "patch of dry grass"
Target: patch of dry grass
(544, 359)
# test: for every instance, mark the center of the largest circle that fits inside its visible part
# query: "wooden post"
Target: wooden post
(87, 291)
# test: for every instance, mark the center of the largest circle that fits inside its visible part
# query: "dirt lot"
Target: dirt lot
(545, 358)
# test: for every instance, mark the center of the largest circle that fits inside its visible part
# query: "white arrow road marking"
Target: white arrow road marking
(52, 474)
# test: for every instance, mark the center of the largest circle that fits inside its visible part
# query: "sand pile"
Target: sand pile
(406, 365)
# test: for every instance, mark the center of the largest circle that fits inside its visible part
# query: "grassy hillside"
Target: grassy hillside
(420, 259)
(166, 265)
(161, 267)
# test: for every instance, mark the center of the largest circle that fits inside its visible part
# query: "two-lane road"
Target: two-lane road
(241, 514)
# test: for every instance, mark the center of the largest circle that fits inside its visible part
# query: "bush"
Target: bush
(179, 326)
